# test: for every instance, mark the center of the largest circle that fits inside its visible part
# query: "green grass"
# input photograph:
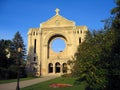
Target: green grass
(14, 80)
(45, 85)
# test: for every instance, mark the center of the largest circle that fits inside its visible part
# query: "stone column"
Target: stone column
(61, 69)
(53, 68)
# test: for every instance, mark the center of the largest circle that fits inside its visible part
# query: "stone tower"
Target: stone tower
(42, 60)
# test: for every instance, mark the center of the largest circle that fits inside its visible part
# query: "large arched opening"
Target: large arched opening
(58, 45)
(56, 48)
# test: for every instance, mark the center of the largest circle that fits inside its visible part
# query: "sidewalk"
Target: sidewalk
(12, 86)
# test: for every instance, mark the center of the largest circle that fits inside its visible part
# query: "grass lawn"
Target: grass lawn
(45, 85)
(14, 80)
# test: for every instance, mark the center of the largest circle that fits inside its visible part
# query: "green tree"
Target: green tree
(9, 56)
(90, 64)
(114, 68)
(17, 42)
(4, 58)
(98, 58)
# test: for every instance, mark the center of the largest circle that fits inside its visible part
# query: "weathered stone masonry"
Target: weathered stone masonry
(42, 60)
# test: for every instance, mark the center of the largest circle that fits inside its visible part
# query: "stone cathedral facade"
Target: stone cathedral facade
(42, 60)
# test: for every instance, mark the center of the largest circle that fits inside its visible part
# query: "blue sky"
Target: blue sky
(58, 45)
(20, 15)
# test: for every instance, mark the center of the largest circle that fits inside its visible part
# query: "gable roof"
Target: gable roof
(57, 21)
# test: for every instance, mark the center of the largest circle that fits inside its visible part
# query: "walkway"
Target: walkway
(12, 86)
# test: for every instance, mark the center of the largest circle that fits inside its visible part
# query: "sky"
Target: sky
(61, 45)
(20, 15)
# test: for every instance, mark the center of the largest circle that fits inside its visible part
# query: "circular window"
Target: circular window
(58, 45)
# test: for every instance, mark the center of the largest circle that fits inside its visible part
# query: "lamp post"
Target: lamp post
(18, 64)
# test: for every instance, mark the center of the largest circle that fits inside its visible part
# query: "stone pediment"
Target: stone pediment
(57, 21)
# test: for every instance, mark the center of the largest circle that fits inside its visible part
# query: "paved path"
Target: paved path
(12, 86)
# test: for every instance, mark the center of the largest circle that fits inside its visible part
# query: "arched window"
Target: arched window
(64, 68)
(57, 67)
(50, 68)
(33, 33)
(35, 41)
(81, 31)
(34, 58)
(79, 40)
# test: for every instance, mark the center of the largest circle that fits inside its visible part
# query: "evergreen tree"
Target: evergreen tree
(18, 55)
(4, 58)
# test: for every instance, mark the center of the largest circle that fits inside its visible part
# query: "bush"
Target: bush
(30, 75)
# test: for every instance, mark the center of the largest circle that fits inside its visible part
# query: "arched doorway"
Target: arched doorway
(57, 67)
(64, 68)
(50, 68)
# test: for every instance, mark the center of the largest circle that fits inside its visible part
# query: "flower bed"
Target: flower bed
(59, 85)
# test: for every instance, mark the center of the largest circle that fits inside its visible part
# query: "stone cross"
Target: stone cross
(57, 11)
